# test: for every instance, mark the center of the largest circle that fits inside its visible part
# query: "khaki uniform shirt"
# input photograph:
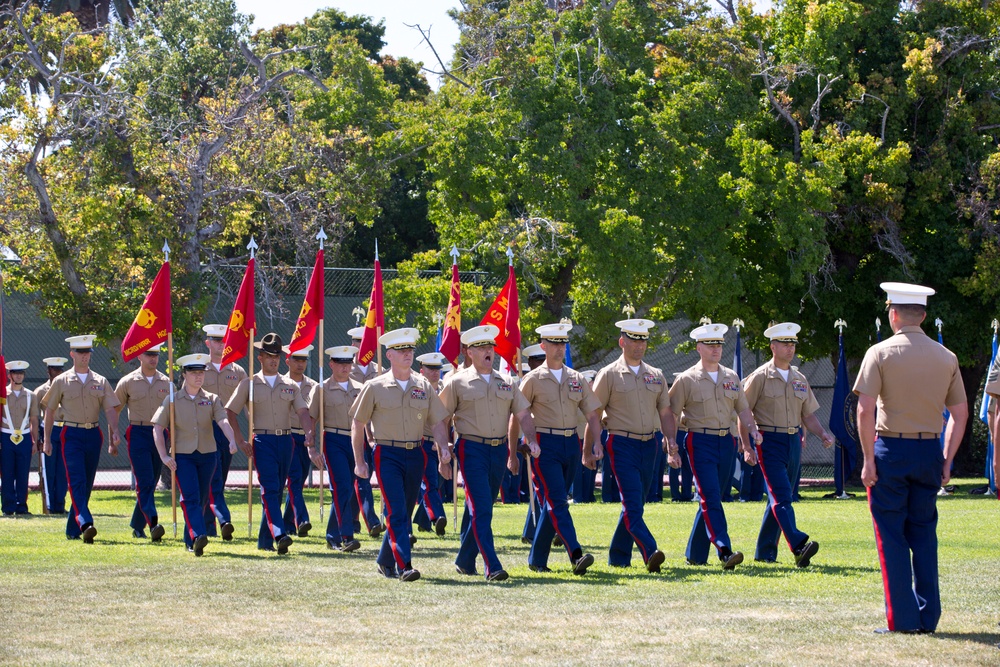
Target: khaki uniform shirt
(705, 404)
(396, 414)
(631, 402)
(81, 402)
(555, 404)
(336, 403)
(17, 406)
(428, 427)
(482, 409)
(141, 397)
(40, 393)
(273, 408)
(223, 383)
(913, 378)
(193, 417)
(775, 402)
(307, 386)
(363, 376)
(993, 383)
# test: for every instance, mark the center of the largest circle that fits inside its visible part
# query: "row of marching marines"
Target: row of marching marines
(405, 428)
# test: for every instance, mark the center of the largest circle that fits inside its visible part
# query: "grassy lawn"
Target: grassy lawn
(124, 601)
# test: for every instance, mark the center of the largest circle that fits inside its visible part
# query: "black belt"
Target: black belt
(720, 432)
(776, 429)
(338, 431)
(277, 431)
(492, 442)
(642, 437)
(78, 425)
(404, 444)
(140, 423)
(565, 432)
(923, 435)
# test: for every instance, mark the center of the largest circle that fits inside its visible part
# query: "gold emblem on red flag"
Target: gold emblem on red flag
(236, 320)
(305, 309)
(146, 318)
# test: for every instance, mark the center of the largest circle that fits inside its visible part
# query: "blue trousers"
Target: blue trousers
(194, 479)
(55, 473)
(296, 512)
(146, 464)
(510, 485)
(429, 507)
(779, 517)
(632, 461)
(795, 469)
(81, 454)
(399, 473)
(482, 469)
(609, 485)
(655, 493)
(751, 482)
(272, 456)
(216, 507)
(364, 500)
(711, 459)
(553, 472)
(584, 483)
(681, 478)
(903, 504)
(15, 464)
(340, 466)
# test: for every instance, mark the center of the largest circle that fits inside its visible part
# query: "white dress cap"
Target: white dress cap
(533, 351)
(557, 333)
(303, 353)
(635, 329)
(342, 353)
(786, 332)
(81, 342)
(400, 339)
(903, 293)
(194, 362)
(589, 375)
(481, 335)
(55, 362)
(432, 360)
(357, 333)
(215, 330)
(710, 334)
(17, 365)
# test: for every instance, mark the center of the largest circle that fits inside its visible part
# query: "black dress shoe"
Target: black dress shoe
(387, 572)
(804, 553)
(525, 540)
(264, 549)
(8, 514)
(303, 529)
(887, 631)
(138, 534)
(581, 564)
(88, 534)
(156, 533)
(409, 574)
(350, 545)
(283, 543)
(468, 573)
(557, 541)
(439, 525)
(539, 568)
(376, 530)
(695, 563)
(413, 539)
(655, 561)
(731, 560)
(499, 575)
(200, 543)
(227, 530)
(423, 529)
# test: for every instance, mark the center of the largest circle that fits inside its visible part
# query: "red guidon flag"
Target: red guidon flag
(154, 320)
(242, 322)
(375, 322)
(505, 314)
(3, 381)
(451, 337)
(312, 309)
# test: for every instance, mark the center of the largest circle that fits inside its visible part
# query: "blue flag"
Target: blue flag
(738, 356)
(984, 416)
(437, 341)
(844, 424)
(569, 357)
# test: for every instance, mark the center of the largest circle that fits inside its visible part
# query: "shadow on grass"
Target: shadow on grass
(985, 638)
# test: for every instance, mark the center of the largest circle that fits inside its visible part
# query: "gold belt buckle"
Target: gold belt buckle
(16, 437)
(410, 445)
(494, 442)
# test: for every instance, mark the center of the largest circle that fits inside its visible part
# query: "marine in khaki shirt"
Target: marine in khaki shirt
(193, 417)
(273, 406)
(780, 404)
(81, 402)
(555, 402)
(220, 380)
(397, 414)
(306, 386)
(337, 401)
(19, 416)
(142, 393)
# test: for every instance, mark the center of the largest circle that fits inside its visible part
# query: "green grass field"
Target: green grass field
(125, 601)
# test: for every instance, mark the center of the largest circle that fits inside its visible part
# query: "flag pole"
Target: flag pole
(173, 446)
(322, 437)
(252, 246)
